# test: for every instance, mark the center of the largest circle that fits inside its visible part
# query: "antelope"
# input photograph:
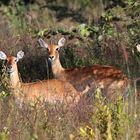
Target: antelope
(110, 80)
(46, 90)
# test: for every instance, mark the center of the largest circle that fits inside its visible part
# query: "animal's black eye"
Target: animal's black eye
(57, 49)
(48, 49)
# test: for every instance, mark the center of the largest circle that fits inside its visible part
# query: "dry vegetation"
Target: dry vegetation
(106, 37)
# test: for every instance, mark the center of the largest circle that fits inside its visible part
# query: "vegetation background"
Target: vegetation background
(102, 32)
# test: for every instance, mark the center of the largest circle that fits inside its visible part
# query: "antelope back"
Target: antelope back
(51, 91)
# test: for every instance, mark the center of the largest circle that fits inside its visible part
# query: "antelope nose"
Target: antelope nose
(51, 57)
(9, 67)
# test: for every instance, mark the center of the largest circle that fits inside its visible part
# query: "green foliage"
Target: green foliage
(15, 12)
(84, 30)
(108, 121)
(3, 94)
(34, 137)
(5, 134)
(41, 33)
(87, 132)
(85, 2)
(4, 84)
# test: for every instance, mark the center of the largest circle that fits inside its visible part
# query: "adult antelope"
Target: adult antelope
(110, 79)
(46, 90)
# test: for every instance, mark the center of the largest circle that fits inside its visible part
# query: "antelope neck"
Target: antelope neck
(57, 68)
(14, 79)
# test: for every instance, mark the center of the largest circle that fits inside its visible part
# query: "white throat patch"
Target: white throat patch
(11, 72)
(52, 60)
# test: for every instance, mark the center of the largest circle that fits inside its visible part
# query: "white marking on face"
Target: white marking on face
(10, 71)
(52, 60)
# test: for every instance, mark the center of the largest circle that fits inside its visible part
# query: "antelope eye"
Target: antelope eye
(48, 49)
(15, 60)
(57, 49)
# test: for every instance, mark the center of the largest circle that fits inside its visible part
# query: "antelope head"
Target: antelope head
(53, 50)
(11, 61)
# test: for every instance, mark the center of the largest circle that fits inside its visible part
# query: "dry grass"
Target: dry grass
(94, 118)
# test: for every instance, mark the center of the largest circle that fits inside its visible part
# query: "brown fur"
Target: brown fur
(110, 79)
(46, 90)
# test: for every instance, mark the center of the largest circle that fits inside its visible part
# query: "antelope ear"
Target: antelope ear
(3, 56)
(42, 43)
(20, 55)
(138, 47)
(61, 42)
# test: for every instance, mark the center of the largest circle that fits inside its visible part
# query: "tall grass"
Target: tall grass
(97, 119)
